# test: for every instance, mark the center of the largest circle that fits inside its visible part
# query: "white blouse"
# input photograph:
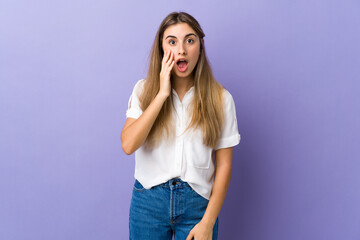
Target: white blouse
(186, 157)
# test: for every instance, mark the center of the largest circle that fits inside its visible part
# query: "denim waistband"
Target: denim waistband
(175, 182)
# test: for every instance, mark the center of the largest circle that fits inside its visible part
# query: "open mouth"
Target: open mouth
(182, 65)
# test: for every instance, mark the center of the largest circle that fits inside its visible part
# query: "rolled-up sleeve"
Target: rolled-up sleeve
(229, 135)
(134, 110)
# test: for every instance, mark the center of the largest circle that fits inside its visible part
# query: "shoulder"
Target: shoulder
(139, 85)
(228, 103)
(228, 98)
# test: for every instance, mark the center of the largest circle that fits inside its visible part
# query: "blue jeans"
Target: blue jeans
(167, 209)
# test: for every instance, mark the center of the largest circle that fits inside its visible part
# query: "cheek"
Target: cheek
(195, 56)
(164, 47)
(167, 48)
(195, 53)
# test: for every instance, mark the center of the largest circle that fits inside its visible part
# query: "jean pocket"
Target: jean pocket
(138, 187)
(198, 195)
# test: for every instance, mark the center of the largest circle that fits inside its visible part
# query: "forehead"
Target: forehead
(179, 30)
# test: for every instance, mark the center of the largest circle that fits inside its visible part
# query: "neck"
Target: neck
(182, 84)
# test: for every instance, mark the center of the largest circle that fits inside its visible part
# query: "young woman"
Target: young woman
(180, 121)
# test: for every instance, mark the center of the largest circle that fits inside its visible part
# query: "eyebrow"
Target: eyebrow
(189, 34)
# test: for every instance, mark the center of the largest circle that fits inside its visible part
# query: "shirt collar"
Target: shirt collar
(189, 91)
(187, 95)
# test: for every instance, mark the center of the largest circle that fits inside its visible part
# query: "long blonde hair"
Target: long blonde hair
(207, 104)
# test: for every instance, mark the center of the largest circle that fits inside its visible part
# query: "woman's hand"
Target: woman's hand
(166, 67)
(201, 231)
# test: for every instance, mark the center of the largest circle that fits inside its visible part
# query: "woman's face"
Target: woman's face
(183, 41)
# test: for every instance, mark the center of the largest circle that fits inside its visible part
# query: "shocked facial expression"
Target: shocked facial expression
(183, 41)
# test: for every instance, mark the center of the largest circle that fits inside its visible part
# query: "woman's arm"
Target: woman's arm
(222, 180)
(135, 131)
(223, 173)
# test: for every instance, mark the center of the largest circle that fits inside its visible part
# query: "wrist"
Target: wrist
(162, 96)
(208, 222)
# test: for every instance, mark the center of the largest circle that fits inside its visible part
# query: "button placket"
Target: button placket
(180, 127)
(179, 143)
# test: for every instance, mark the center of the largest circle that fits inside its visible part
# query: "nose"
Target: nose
(181, 50)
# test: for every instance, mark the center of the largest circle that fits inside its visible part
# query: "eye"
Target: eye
(171, 41)
(191, 40)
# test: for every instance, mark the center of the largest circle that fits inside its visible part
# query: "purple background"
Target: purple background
(67, 69)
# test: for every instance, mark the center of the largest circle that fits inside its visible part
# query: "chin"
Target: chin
(182, 75)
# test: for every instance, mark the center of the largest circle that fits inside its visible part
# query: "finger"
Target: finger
(190, 236)
(164, 60)
(171, 59)
(168, 57)
(172, 64)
